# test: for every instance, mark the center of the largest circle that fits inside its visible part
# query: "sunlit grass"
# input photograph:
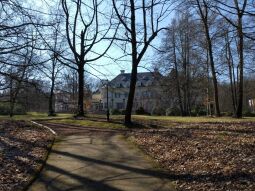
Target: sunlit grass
(92, 120)
(90, 123)
(179, 119)
(35, 116)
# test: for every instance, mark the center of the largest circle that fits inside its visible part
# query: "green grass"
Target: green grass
(194, 119)
(167, 121)
(99, 120)
(90, 123)
(35, 116)
(179, 119)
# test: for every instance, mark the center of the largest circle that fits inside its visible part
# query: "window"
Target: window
(117, 95)
(120, 106)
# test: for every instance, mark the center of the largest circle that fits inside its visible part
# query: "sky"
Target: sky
(108, 68)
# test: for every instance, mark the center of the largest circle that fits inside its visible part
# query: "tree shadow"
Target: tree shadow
(189, 177)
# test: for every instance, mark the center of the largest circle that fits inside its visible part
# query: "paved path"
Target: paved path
(98, 163)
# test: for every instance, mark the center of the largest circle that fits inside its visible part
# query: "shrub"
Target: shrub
(115, 112)
(19, 110)
(174, 111)
(5, 109)
(141, 111)
(248, 114)
(202, 112)
(158, 111)
(193, 113)
(123, 112)
(227, 114)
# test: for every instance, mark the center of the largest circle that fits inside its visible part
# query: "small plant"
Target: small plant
(158, 111)
(227, 114)
(249, 113)
(141, 111)
(5, 109)
(174, 111)
(115, 112)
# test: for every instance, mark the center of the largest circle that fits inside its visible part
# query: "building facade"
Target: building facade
(147, 94)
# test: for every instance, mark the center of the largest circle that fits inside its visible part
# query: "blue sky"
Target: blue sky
(108, 68)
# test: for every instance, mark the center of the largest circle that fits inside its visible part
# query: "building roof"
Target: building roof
(143, 79)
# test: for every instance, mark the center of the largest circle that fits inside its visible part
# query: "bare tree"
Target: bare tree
(203, 9)
(86, 30)
(238, 10)
(55, 45)
(142, 22)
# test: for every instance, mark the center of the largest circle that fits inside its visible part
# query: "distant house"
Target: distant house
(65, 102)
(252, 104)
(147, 95)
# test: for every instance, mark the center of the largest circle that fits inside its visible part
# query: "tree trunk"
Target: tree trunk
(215, 82)
(131, 96)
(80, 112)
(204, 16)
(177, 76)
(239, 110)
(228, 57)
(51, 107)
(134, 65)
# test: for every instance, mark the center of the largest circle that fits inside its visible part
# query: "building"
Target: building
(147, 95)
(252, 104)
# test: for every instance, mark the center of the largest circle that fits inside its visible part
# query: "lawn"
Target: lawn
(179, 119)
(163, 119)
(90, 123)
(35, 116)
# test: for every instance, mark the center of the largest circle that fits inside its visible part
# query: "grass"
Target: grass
(194, 119)
(35, 116)
(90, 123)
(99, 120)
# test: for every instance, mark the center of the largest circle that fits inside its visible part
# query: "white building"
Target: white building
(147, 95)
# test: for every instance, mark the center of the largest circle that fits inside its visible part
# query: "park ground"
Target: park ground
(198, 153)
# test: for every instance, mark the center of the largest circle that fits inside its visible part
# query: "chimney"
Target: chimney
(122, 71)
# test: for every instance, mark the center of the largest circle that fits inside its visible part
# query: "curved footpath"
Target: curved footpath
(98, 162)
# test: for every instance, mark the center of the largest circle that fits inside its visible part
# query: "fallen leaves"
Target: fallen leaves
(22, 150)
(210, 156)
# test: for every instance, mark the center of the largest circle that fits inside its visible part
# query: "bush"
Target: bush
(227, 114)
(198, 111)
(5, 109)
(193, 113)
(123, 112)
(202, 112)
(158, 111)
(115, 112)
(249, 114)
(141, 111)
(174, 111)
(19, 110)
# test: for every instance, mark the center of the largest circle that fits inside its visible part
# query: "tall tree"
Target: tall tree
(85, 30)
(142, 22)
(238, 10)
(203, 9)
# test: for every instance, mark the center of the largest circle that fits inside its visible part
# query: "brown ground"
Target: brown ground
(204, 157)
(23, 149)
